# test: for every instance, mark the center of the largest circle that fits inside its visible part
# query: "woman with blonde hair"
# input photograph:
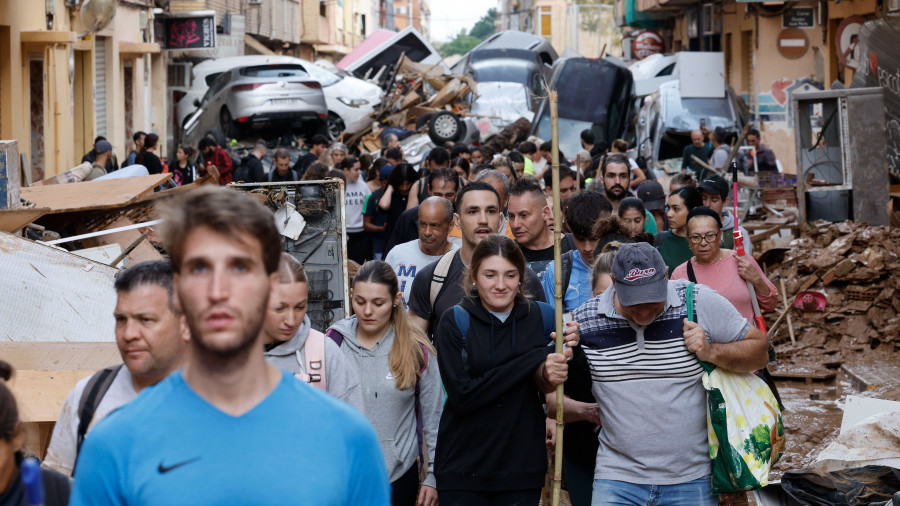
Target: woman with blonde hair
(293, 345)
(400, 380)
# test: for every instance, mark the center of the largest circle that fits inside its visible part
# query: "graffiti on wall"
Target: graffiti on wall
(775, 105)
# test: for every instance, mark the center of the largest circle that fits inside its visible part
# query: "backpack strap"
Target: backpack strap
(440, 276)
(93, 393)
(690, 272)
(335, 336)
(548, 315)
(567, 261)
(462, 323)
(315, 360)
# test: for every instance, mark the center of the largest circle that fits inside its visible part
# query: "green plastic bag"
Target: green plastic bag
(746, 433)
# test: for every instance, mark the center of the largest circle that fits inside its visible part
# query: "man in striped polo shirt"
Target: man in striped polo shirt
(641, 349)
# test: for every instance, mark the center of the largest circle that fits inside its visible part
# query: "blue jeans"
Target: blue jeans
(692, 493)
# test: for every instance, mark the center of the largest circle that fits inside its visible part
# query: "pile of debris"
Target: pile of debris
(842, 285)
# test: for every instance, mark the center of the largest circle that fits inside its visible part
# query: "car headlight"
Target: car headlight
(353, 102)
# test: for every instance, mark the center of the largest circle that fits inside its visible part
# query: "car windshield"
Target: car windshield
(510, 70)
(685, 113)
(274, 71)
(324, 77)
(569, 134)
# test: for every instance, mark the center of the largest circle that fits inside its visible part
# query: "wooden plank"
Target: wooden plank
(809, 375)
(142, 253)
(12, 220)
(60, 356)
(41, 394)
(53, 295)
(91, 195)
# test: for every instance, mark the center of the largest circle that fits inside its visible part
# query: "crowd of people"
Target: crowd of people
(440, 386)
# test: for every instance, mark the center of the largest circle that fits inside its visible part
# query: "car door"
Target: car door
(206, 118)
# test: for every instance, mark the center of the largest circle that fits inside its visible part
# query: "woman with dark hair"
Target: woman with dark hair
(317, 171)
(372, 179)
(396, 194)
(462, 167)
(293, 345)
(495, 360)
(632, 215)
(673, 243)
(12, 438)
(400, 380)
(720, 269)
(147, 157)
(184, 172)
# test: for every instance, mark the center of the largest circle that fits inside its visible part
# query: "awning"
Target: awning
(634, 17)
(257, 46)
(138, 48)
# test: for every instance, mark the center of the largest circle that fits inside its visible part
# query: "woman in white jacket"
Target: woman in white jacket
(400, 380)
(292, 344)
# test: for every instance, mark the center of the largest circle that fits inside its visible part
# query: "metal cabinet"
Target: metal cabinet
(842, 165)
(321, 245)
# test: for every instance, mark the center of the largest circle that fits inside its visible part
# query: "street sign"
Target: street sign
(799, 17)
(792, 43)
(647, 43)
(189, 32)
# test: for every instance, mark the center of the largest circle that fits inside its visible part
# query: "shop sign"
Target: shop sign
(647, 43)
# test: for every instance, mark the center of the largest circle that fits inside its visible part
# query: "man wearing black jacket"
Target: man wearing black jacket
(319, 144)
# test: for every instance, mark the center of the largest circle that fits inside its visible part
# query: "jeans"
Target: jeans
(692, 493)
(504, 498)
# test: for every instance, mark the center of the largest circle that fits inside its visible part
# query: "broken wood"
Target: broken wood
(785, 300)
(92, 195)
(130, 247)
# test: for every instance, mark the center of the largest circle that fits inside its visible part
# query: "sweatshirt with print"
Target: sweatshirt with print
(341, 377)
(392, 411)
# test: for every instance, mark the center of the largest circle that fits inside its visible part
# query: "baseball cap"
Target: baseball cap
(583, 156)
(652, 195)
(385, 171)
(102, 146)
(714, 184)
(640, 274)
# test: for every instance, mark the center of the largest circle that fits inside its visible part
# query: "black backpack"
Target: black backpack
(93, 393)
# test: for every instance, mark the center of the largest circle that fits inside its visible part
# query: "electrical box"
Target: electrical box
(841, 160)
(310, 215)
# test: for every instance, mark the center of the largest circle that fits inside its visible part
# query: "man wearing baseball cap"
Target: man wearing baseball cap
(714, 190)
(643, 353)
(653, 196)
(103, 150)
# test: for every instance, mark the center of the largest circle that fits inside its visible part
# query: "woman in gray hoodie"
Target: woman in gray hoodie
(400, 380)
(292, 344)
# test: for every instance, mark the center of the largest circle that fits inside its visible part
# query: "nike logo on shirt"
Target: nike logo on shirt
(165, 469)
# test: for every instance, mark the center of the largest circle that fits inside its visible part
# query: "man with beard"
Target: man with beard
(616, 176)
(214, 432)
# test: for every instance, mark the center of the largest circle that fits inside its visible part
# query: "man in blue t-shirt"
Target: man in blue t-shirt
(229, 428)
(582, 212)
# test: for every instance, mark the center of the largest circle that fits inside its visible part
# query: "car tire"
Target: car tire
(335, 126)
(444, 127)
(226, 122)
(422, 120)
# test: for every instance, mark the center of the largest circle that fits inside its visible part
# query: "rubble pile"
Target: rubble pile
(857, 269)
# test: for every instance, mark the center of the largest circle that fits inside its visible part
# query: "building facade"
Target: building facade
(771, 50)
(60, 86)
(586, 28)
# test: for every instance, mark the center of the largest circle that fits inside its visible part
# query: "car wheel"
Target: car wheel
(422, 120)
(444, 127)
(226, 122)
(336, 126)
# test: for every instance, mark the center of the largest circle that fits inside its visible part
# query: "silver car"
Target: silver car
(250, 97)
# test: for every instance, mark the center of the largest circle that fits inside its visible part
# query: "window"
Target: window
(322, 10)
(546, 22)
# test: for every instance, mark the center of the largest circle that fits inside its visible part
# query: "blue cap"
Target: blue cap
(103, 146)
(385, 172)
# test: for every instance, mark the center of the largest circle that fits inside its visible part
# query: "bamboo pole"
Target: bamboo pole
(557, 261)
